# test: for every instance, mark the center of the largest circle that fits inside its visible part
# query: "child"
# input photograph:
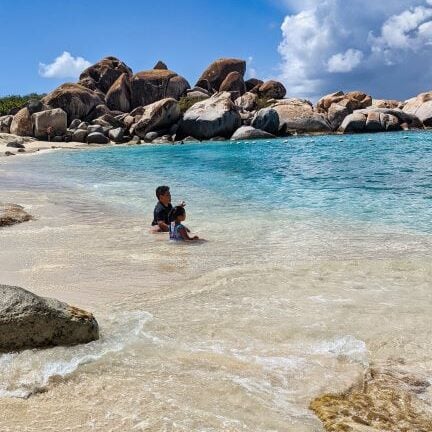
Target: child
(163, 207)
(177, 230)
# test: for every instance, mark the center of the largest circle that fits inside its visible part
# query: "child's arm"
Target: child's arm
(183, 231)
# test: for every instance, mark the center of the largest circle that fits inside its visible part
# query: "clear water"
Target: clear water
(317, 265)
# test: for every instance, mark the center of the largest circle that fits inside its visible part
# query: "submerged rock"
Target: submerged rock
(29, 321)
(11, 214)
(249, 132)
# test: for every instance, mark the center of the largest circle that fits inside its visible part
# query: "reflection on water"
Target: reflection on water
(306, 281)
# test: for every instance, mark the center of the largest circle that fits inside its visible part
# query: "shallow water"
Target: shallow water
(318, 264)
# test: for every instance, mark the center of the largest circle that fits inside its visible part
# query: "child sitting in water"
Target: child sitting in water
(177, 230)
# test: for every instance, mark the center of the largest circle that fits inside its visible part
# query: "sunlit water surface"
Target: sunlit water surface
(317, 264)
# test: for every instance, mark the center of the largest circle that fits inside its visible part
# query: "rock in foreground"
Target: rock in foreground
(29, 321)
(11, 214)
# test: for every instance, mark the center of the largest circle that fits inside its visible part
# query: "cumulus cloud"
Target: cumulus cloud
(64, 66)
(384, 48)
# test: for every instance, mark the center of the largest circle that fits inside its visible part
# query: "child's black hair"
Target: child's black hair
(176, 212)
(161, 190)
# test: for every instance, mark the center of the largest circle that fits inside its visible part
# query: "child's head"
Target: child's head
(178, 214)
(163, 194)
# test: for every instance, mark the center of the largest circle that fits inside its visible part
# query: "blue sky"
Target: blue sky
(313, 46)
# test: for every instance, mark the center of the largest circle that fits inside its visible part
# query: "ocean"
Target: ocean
(316, 267)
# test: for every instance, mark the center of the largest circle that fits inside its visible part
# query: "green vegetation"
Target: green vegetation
(14, 101)
(262, 103)
(186, 102)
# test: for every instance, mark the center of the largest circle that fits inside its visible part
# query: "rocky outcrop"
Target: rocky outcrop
(213, 117)
(247, 102)
(249, 132)
(251, 83)
(21, 124)
(387, 103)
(49, 123)
(233, 83)
(420, 106)
(118, 96)
(298, 115)
(216, 73)
(5, 123)
(104, 73)
(266, 119)
(160, 65)
(379, 120)
(158, 115)
(11, 214)
(271, 90)
(153, 85)
(29, 321)
(76, 100)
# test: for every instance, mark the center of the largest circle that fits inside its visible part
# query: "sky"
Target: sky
(315, 47)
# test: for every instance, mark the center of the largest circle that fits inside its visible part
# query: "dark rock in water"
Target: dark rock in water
(94, 128)
(50, 122)
(97, 138)
(233, 83)
(80, 135)
(105, 72)
(119, 94)
(191, 139)
(29, 321)
(116, 135)
(135, 140)
(216, 72)
(252, 83)
(22, 123)
(11, 214)
(217, 138)
(249, 132)
(160, 65)
(75, 124)
(15, 144)
(77, 101)
(266, 119)
(216, 116)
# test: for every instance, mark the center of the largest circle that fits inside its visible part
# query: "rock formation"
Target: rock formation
(421, 107)
(216, 72)
(11, 214)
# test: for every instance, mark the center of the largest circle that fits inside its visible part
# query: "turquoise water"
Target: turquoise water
(383, 179)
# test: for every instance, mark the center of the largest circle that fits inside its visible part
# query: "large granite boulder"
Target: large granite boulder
(104, 73)
(21, 124)
(271, 90)
(97, 138)
(118, 96)
(77, 101)
(52, 122)
(216, 73)
(352, 100)
(5, 123)
(421, 106)
(29, 321)
(251, 83)
(387, 103)
(11, 214)
(299, 115)
(249, 132)
(233, 83)
(158, 115)
(156, 84)
(247, 102)
(266, 119)
(213, 117)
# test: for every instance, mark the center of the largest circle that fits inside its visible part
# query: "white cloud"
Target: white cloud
(384, 48)
(345, 62)
(64, 66)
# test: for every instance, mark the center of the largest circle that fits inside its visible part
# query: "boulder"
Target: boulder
(97, 111)
(271, 90)
(216, 73)
(160, 65)
(199, 90)
(104, 73)
(149, 137)
(75, 124)
(22, 123)
(11, 214)
(116, 134)
(15, 144)
(35, 106)
(251, 83)
(94, 128)
(386, 103)
(266, 119)
(158, 115)
(118, 96)
(153, 85)
(107, 120)
(97, 138)
(79, 135)
(196, 94)
(49, 123)
(352, 100)
(29, 321)
(336, 114)
(233, 83)
(355, 122)
(216, 116)
(384, 119)
(249, 132)
(247, 102)
(5, 123)
(421, 107)
(76, 100)
(299, 115)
